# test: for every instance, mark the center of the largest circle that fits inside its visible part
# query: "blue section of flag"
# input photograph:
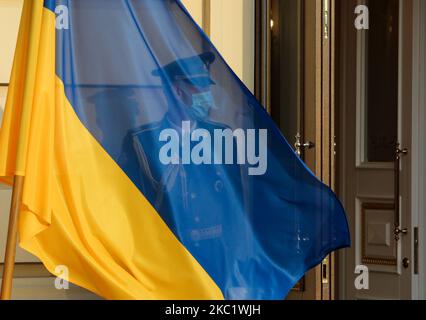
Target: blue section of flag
(50, 4)
(134, 70)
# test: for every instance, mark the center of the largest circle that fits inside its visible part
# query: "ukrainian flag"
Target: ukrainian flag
(151, 171)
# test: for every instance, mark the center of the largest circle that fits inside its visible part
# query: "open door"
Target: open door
(295, 76)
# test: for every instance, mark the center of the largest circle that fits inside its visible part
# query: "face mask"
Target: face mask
(202, 103)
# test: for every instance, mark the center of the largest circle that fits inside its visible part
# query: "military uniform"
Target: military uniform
(201, 204)
(184, 188)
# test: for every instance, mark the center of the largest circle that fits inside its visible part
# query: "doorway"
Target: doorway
(344, 98)
(294, 75)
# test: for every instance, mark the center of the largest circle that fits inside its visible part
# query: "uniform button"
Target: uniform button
(193, 195)
(218, 186)
(197, 219)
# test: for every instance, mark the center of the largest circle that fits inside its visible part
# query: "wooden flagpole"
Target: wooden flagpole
(12, 239)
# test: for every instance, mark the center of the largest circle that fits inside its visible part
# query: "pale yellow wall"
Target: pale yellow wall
(10, 13)
(195, 7)
(232, 32)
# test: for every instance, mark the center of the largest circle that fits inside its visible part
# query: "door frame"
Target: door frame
(418, 183)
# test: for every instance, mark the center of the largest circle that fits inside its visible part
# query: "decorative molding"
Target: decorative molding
(381, 262)
(370, 259)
